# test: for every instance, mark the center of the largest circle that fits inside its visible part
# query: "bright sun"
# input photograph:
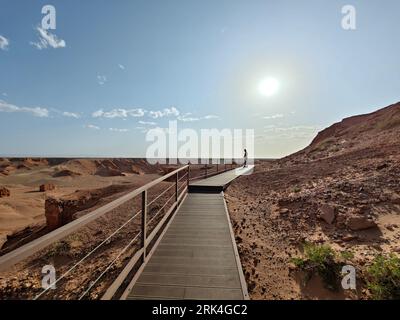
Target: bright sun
(268, 87)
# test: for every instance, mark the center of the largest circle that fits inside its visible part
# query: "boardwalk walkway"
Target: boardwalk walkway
(218, 182)
(196, 257)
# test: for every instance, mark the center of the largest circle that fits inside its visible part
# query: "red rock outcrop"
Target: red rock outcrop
(61, 211)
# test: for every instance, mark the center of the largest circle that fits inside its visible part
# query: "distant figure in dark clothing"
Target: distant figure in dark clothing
(245, 158)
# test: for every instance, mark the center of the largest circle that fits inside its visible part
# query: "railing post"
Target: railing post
(188, 175)
(144, 222)
(206, 170)
(176, 186)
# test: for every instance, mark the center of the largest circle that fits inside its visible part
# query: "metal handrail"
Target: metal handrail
(160, 195)
(207, 174)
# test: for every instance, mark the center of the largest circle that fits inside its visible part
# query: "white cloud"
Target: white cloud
(125, 113)
(211, 116)
(122, 67)
(37, 112)
(101, 80)
(187, 118)
(91, 126)
(275, 116)
(148, 123)
(47, 39)
(71, 115)
(4, 43)
(164, 113)
(118, 130)
(119, 113)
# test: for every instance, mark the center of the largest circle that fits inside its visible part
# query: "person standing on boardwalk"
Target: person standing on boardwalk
(245, 158)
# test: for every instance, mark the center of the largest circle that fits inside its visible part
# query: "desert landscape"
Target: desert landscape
(40, 195)
(23, 204)
(297, 220)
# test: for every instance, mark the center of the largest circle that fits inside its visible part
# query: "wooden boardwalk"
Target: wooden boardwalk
(219, 182)
(196, 257)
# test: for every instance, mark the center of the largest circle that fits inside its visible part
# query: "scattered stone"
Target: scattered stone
(349, 237)
(327, 213)
(382, 166)
(47, 187)
(284, 211)
(390, 227)
(357, 223)
(4, 192)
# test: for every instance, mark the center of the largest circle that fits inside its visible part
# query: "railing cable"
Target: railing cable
(86, 256)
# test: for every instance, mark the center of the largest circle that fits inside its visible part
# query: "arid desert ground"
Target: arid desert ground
(341, 194)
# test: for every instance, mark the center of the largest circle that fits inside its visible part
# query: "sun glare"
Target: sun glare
(268, 87)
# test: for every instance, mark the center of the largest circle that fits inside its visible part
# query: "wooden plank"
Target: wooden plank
(224, 281)
(192, 293)
(195, 259)
(197, 241)
(194, 254)
(219, 261)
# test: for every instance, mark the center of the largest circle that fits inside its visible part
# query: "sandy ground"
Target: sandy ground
(25, 206)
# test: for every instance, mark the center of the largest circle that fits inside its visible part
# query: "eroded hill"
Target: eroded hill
(342, 192)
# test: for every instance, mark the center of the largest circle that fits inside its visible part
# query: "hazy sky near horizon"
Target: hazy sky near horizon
(111, 70)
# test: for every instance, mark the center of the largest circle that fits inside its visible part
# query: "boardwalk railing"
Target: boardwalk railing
(210, 170)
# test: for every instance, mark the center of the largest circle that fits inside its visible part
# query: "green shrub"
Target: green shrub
(318, 254)
(298, 262)
(320, 259)
(384, 277)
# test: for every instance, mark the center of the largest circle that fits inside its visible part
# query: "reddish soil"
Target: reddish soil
(342, 190)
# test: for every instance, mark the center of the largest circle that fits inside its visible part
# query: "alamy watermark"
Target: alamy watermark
(349, 277)
(49, 20)
(349, 19)
(173, 146)
(49, 277)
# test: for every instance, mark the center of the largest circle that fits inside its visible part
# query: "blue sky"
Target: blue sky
(128, 66)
